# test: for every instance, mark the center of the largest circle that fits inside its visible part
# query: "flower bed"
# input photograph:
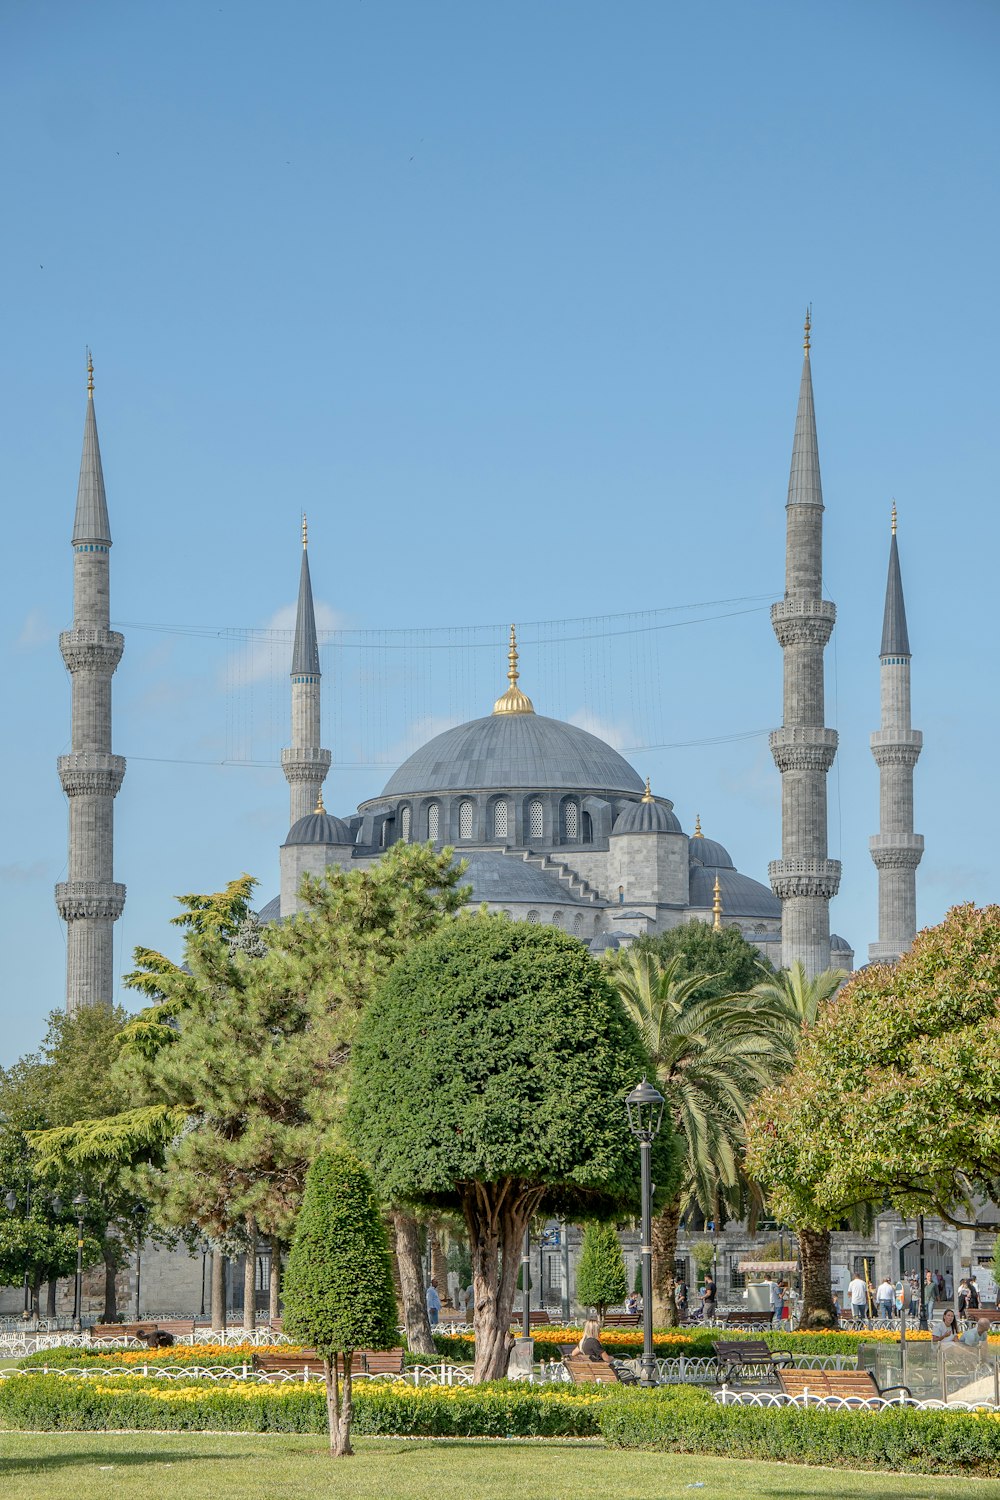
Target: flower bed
(206, 1356)
(671, 1343)
(504, 1409)
(683, 1420)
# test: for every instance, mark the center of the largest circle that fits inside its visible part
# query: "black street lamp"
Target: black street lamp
(80, 1204)
(645, 1115)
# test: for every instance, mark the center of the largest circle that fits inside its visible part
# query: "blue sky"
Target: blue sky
(509, 299)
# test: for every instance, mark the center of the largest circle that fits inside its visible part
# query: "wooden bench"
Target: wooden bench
(179, 1328)
(622, 1320)
(746, 1319)
(535, 1319)
(363, 1362)
(144, 1332)
(584, 1371)
(734, 1355)
(827, 1385)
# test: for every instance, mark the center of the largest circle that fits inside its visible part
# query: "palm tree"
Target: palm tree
(712, 1056)
(803, 999)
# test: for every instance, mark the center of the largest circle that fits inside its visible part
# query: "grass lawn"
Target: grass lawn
(194, 1466)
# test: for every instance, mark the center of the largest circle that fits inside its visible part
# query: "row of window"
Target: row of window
(501, 821)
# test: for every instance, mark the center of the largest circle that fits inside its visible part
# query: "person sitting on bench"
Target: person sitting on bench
(590, 1343)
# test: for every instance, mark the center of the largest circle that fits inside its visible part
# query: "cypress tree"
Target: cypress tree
(339, 1294)
(601, 1278)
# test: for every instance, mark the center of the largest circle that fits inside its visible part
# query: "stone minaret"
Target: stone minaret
(305, 765)
(90, 901)
(896, 849)
(804, 878)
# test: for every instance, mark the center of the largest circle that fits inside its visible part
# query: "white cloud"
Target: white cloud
(267, 652)
(416, 734)
(36, 631)
(615, 735)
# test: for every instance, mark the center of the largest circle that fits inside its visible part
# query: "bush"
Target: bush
(669, 1343)
(683, 1420)
(45, 1403)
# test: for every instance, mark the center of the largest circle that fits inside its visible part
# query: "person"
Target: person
(949, 1286)
(590, 1342)
(857, 1295)
(783, 1288)
(963, 1297)
(973, 1294)
(930, 1296)
(976, 1338)
(945, 1330)
(681, 1298)
(885, 1296)
(708, 1299)
(774, 1293)
(433, 1303)
(632, 1302)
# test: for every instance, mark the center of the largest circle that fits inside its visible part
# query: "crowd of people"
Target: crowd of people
(889, 1300)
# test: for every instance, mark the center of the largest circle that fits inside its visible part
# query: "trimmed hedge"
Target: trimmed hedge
(626, 1343)
(684, 1420)
(44, 1403)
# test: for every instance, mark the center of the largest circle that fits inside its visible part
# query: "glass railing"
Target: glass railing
(935, 1372)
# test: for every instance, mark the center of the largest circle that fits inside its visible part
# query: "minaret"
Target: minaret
(305, 765)
(804, 878)
(90, 901)
(896, 849)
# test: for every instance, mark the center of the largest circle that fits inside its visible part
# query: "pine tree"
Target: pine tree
(339, 1295)
(601, 1278)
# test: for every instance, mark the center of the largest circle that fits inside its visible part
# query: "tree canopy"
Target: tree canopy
(727, 963)
(893, 1097)
(601, 1278)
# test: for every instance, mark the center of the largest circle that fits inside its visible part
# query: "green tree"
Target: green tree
(338, 1284)
(601, 1278)
(713, 1054)
(490, 1077)
(892, 1100)
(723, 958)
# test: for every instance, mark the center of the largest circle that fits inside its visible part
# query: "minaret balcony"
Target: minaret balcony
(803, 622)
(896, 747)
(91, 648)
(94, 900)
(896, 851)
(88, 773)
(804, 877)
(305, 762)
(803, 748)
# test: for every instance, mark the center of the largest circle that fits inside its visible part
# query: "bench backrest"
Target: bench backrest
(822, 1383)
(748, 1350)
(621, 1320)
(383, 1361)
(583, 1371)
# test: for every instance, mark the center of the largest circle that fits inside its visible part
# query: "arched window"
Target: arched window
(500, 820)
(532, 916)
(571, 820)
(588, 828)
(434, 822)
(535, 819)
(404, 825)
(557, 917)
(465, 810)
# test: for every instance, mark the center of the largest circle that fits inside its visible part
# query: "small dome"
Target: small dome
(703, 851)
(319, 828)
(646, 817)
(840, 945)
(741, 896)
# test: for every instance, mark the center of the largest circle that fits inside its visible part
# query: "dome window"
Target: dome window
(500, 820)
(572, 820)
(434, 822)
(535, 819)
(465, 810)
(404, 825)
(532, 916)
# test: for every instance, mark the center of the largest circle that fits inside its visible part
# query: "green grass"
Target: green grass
(197, 1466)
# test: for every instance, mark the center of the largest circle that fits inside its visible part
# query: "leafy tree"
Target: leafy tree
(892, 1099)
(490, 1077)
(338, 1284)
(601, 1278)
(723, 958)
(713, 1055)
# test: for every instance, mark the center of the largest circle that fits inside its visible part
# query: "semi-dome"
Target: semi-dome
(499, 877)
(740, 895)
(647, 816)
(319, 827)
(507, 750)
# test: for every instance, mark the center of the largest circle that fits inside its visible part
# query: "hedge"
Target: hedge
(45, 1403)
(626, 1343)
(684, 1420)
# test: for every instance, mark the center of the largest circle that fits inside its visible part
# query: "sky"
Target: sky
(509, 299)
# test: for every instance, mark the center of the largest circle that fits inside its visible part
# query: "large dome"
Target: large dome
(507, 750)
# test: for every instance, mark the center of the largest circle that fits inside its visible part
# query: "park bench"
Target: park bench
(146, 1333)
(585, 1371)
(621, 1320)
(364, 1362)
(746, 1319)
(535, 1319)
(827, 1385)
(973, 1314)
(179, 1328)
(737, 1355)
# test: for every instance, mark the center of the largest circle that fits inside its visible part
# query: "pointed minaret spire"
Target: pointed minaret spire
(513, 701)
(305, 764)
(717, 905)
(804, 879)
(90, 901)
(896, 850)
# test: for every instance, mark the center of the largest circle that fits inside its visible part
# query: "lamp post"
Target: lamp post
(80, 1204)
(921, 1276)
(645, 1114)
(203, 1247)
(140, 1214)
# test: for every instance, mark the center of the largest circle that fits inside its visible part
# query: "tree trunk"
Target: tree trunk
(344, 1449)
(274, 1293)
(419, 1338)
(496, 1216)
(218, 1291)
(665, 1227)
(817, 1293)
(110, 1289)
(332, 1403)
(250, 1279)
(50, 1298)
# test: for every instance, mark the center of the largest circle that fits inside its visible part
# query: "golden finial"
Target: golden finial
(894, 518)
(90, 376)
(697, 826)
(647, 795)
(319, 808)
(716, 905)
(808, 328)
(305, 530)
(513, 701)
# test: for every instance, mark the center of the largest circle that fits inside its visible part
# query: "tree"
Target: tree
(490, 1076)
(339, 1295)
(727, 963)
(712, 1056)
(893, 1097)
(601, 1278)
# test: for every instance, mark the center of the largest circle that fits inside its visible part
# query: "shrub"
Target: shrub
(601, 1279)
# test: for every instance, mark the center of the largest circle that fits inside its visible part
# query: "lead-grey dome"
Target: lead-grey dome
(514, 750)
(319, 828)
(646, 817)
(740, 895)
(708, 852)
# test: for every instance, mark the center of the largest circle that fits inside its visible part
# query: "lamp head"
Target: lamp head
(80, 1202)
(645, 1111)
